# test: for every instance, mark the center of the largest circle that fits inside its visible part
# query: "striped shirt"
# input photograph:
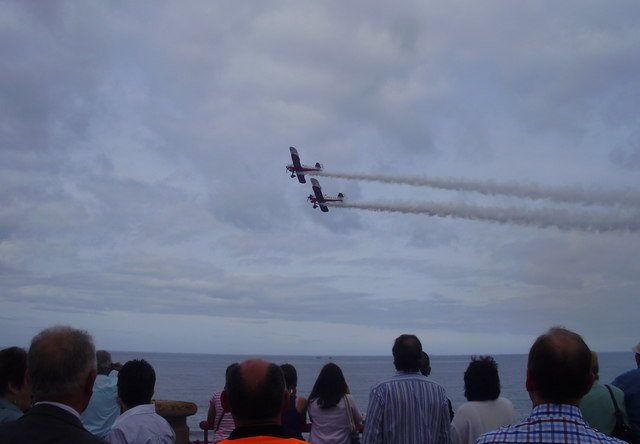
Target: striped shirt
(407, 408)
(549, 423)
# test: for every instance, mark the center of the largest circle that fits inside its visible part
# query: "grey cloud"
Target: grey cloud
(627, 155)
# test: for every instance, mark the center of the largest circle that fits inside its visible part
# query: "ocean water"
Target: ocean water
(193, 377)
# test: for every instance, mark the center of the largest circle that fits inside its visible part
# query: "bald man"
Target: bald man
(255, 394)
(558, 376)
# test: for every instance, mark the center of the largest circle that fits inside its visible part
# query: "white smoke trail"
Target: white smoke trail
(626, 197)
(541, 218)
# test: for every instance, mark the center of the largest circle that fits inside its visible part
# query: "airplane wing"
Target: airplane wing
(319, 196)
(296, 164)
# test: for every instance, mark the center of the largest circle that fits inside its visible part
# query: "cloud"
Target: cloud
(142, 148)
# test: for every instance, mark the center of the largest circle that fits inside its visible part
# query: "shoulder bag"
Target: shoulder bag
(354, 434)
(621, 430)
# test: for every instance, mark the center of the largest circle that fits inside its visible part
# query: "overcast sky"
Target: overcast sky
(144, 196)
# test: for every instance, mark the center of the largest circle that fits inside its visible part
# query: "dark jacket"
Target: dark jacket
(46, 424)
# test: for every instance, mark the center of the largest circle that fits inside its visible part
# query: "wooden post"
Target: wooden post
(176, 412)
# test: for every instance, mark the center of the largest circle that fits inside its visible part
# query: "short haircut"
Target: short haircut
(136, 381)
(264, 401)
(13, 367)
(407, 353)
(290, 376)
(560, 366)
(103, 358)
(481, 380)
(59, 360)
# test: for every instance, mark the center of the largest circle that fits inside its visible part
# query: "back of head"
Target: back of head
(407, 353)
(136, 382)
(255, 390)
(559, 366)
(330, 386)
(481, 380)
(59, 361)
(290, 376)
(103, 358)
(13, 367)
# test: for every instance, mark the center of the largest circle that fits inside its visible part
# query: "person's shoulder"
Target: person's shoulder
(504, 401)
(496, 436)
(632, 374)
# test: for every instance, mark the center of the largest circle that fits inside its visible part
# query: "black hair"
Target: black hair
(13, 367)
(330, 386)
(136, 382)
(559, 365)
(407, 353)
(481, 380)
(290, 376)
(263, 401)
(425, 364)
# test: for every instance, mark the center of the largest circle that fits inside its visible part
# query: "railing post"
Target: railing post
(176, 412)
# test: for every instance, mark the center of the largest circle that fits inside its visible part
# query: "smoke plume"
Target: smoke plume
(568, 194)
(542, 218)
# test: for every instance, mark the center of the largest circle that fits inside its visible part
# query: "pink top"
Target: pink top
(226, 423)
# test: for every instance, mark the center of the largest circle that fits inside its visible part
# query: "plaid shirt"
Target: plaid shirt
(549, 423)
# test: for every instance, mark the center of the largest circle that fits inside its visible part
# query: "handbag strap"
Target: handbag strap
(613, 398)
(352, 423)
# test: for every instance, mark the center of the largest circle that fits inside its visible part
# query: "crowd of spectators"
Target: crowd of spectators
(62, 391)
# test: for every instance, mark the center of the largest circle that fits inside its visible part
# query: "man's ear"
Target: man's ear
(286, 401)
(592, 379)
(88, 385)
(224, 400)
(529, 382)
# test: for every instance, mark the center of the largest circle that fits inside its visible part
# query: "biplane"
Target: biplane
(297, 169)
(318, 199)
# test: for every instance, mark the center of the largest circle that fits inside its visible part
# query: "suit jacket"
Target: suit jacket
(46, 424)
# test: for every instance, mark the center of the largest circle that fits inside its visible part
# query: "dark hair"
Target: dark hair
(425, 364)
(407, 353)
(560, 366)
(13, 367)
(262, 401)
(481, 380)
(59, 361)
(290, 376)
(136, 381)
(330, 386)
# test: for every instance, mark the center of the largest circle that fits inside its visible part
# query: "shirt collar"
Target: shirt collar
(62, 406)
(556, 409)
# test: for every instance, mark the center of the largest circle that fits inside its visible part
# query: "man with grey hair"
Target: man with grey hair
(61, 366)
(103, 409)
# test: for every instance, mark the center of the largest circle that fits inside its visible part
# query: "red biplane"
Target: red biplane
(297, 169)
(319, 199)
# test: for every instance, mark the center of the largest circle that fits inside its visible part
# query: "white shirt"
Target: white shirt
(141, 425)
(477, 417)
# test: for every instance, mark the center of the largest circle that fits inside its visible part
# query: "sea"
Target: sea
(194, 377)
